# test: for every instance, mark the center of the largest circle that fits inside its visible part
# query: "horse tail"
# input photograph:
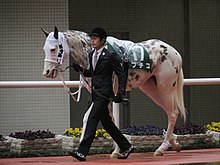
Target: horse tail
(179, 96)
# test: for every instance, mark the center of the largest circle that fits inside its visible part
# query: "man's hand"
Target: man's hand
(76, 67)
(118, 98)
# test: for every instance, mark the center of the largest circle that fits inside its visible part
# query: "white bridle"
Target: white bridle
(55, 51)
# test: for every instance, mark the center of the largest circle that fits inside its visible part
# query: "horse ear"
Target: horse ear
(45, 32)
(55, 33)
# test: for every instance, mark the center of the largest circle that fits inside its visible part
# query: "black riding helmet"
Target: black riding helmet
(98, 32)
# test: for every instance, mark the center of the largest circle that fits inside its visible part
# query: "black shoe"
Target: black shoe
(78, 156)
(126, 153)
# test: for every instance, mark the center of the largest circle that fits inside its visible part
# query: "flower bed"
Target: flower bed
(141, 137)
(30, 142)
(37, 145)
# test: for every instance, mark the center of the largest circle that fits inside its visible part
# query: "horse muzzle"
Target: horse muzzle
(50, 70)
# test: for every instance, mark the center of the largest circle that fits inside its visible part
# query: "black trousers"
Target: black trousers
(100, 112)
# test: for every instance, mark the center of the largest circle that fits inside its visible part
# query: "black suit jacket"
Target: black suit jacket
(102, 75)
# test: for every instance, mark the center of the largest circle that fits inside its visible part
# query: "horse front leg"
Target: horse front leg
(165, 101)
(169, 136)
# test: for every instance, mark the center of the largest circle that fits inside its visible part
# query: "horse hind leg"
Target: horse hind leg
(178, 108)
(169, 140)
(166, 101)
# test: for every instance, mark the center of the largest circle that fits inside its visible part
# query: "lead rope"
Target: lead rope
(61, 75)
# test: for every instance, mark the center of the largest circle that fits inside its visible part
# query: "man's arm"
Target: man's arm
(119, 71)
(85, 72)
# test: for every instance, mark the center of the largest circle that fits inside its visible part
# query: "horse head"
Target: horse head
(58, 45)
(56, 49)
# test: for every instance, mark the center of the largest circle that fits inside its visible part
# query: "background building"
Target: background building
(191, 26)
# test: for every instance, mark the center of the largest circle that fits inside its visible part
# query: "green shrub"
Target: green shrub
(2, 138)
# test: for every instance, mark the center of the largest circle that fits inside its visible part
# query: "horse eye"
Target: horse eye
(52, 50)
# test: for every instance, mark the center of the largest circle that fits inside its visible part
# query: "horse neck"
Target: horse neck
(79, 45)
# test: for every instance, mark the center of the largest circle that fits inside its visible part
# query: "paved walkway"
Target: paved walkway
(169, 158)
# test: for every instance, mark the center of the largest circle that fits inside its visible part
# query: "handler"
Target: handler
(102, 65)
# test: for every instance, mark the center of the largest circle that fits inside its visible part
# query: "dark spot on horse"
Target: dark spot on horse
(163, 58)
(83, 43)
(154, 41)
(154, 79)
(132, 73)
(176, 53)
(137, 77)
(174, 84)
(177, 70)
(164, 47)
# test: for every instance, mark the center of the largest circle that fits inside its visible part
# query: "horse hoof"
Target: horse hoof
(158, 153)
(177, 147)
(114, 155)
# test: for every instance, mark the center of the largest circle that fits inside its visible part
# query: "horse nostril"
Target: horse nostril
(48, 71)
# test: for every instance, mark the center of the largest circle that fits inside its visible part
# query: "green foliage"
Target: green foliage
(2, 138)
(203, 144)
(12, 154)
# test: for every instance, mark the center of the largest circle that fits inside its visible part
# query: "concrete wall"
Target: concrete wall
(22, 56)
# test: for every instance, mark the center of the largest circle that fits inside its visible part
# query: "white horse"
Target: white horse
(163, 82)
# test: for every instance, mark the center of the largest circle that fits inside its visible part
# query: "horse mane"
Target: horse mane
(80, 46)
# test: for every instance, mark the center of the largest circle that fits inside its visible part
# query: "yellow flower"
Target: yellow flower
(77, 132)
(213, 126)
(106, 135)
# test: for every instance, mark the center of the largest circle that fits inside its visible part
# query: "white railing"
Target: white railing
(202, 81)
(73, 84)
(37, 84)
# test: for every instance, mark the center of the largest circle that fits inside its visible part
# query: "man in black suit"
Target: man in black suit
(102, 65)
